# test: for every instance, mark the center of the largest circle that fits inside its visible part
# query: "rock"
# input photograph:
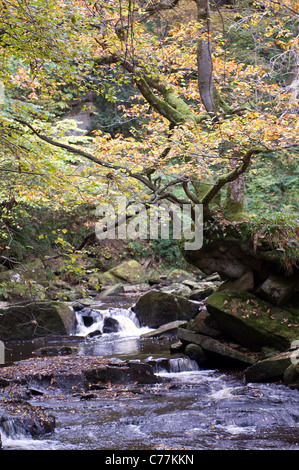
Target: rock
(94, 281)
(277, 290)
(190, 283)
(25, 320)
(272, 368)
(108, 279)
(195, 352)
(177, 289)
(178, 275)
(203, 323)
(133, 288)
(176, 347)
(55, 351)
(20, 417)
(202, 291)
(169, 328)
(129, 271)
(291, 376)
(253, 322)
(244, 284)
(155, 308)
(214, 350)
(110, 325)
(112, 290)
(232, 251)
(94, 333)
(213, 277)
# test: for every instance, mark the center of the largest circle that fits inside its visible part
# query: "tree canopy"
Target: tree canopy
(211, 92)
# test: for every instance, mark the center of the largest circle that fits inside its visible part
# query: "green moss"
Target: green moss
(253, 320)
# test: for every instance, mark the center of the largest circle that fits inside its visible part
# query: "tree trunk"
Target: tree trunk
(293, 79)
(234, 202)
(204, 58)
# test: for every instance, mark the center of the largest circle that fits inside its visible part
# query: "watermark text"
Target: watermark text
(134, 221)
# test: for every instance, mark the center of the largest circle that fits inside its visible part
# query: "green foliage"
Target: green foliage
(280, 232)
(273, 183)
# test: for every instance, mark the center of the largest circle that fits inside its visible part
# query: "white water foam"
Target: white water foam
(13, 438)
(128, 324)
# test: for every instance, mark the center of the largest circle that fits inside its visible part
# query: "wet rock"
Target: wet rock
(214, 349)
(110, 325)
(272, 368)
(92, 334)
(195, 352)
(156, 308)
(20, 417)
(168, 328)
(25, 320)
(253, 322)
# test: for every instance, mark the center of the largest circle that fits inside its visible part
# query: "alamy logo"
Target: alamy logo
(2, 353)
(140, 221)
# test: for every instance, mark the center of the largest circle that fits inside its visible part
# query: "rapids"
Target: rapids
(199, 409)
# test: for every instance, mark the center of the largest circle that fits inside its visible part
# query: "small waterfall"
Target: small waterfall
(13, 436)
(182, 364)
(92, 320)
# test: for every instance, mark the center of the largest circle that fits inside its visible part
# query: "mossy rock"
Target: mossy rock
(177, 289)
(156, 308)
(253, 322)
(178, 275)
(127, 272)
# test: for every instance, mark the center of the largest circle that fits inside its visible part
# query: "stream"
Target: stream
(199, 409)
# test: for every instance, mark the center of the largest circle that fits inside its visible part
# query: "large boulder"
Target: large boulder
(155, 308)
(25, 320)
(253, 322)
(127, 272)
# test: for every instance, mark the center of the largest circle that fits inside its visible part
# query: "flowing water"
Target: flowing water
(197, 409)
